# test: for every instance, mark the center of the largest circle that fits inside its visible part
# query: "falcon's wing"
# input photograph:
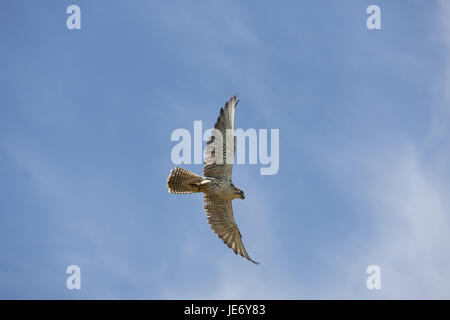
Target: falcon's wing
(220, 218)
(224, 123)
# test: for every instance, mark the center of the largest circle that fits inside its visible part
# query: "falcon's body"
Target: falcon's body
(221, 188)
(216, 183)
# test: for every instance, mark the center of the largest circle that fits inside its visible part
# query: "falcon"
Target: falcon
(216, 182)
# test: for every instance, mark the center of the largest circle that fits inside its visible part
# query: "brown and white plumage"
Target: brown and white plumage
(221, 219)
(216, 184)
(225, 126)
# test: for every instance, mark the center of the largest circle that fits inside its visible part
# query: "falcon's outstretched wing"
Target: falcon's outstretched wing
(220, 218)
(225, 126)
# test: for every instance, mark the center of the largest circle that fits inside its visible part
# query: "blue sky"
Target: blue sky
(85, 124)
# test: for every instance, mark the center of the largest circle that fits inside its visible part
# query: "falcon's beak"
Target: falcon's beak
(242, 195)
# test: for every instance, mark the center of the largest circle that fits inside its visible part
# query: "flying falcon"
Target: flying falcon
(216, 182)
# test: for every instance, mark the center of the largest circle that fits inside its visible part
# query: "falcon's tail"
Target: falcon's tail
(183, 181)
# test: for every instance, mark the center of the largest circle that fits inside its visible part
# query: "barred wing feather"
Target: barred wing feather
(220, 217)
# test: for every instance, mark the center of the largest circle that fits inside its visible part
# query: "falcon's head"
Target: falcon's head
(240, 193)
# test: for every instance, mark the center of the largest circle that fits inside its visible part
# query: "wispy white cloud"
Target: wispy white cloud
(410, 212)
